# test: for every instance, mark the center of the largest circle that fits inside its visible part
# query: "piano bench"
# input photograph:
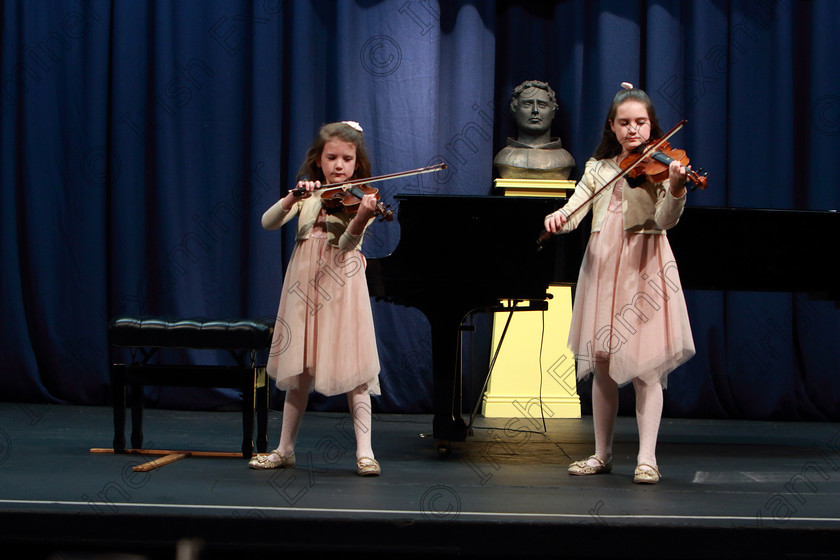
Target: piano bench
(144, 336)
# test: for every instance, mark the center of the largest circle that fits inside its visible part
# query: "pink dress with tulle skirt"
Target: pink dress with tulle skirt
(629, 307)
(324, 322)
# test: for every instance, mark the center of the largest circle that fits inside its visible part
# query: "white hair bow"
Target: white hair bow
(353, 124)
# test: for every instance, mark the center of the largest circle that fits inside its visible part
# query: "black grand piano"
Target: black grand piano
(487, 252)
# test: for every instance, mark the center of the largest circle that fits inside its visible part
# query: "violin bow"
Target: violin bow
(347, 184)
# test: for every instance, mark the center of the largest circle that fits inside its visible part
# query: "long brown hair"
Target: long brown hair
(609, 146)
(340, 131)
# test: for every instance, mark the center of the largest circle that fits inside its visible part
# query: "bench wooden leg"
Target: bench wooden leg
(136, 416)
(118, 402)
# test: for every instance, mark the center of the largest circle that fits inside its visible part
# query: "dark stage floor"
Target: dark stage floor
(730, 489)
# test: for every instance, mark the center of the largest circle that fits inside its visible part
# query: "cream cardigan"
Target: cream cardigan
(649, 208)
(307, 211)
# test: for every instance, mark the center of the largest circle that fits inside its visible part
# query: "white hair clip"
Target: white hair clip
(353, 124)
(626, 85)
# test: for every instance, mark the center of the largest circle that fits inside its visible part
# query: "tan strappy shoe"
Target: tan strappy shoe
(646, 474)
(261, 461)
(368, 467)
(583, 468)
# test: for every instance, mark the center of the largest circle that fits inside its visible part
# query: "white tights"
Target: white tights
(295, 405)
(605, 408)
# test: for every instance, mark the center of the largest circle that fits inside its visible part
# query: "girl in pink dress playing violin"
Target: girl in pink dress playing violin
(324, 337)
(629, 319)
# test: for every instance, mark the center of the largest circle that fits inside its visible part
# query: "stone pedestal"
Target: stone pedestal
(534, 372)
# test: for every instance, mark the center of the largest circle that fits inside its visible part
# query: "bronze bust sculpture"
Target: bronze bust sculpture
(534, 154)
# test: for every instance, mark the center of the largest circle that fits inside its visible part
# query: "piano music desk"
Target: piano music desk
(523, 382)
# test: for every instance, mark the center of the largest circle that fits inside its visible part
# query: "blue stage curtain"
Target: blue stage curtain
(141, 142)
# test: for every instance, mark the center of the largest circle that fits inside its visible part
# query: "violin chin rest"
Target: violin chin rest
(634, 182)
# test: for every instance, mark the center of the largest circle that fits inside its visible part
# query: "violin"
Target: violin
(653, 165)
(347, 196)
(336, 200)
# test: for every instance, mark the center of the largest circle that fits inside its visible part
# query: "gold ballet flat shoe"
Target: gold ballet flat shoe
(368, 467)
(646, 474)
(260, 461)
(583, 468)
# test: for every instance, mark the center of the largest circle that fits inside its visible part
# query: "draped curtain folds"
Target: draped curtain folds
(141, 142)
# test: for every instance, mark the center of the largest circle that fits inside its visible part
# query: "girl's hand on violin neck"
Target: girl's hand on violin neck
(677, 176)
(555, 221)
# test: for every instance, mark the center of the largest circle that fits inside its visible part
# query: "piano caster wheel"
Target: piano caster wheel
(444, 449)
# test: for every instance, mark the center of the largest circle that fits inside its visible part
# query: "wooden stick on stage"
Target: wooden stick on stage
(167, 456)
(165, 460)
(169, 452)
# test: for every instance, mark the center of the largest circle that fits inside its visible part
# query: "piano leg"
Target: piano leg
(448, 424)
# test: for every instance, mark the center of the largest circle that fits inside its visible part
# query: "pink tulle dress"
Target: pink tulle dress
(629, 307)
(324, 323)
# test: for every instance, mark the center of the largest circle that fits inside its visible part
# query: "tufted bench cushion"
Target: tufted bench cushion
(174, 332)
(243, 338)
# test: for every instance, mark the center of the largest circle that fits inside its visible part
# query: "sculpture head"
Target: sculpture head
(533, 105)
